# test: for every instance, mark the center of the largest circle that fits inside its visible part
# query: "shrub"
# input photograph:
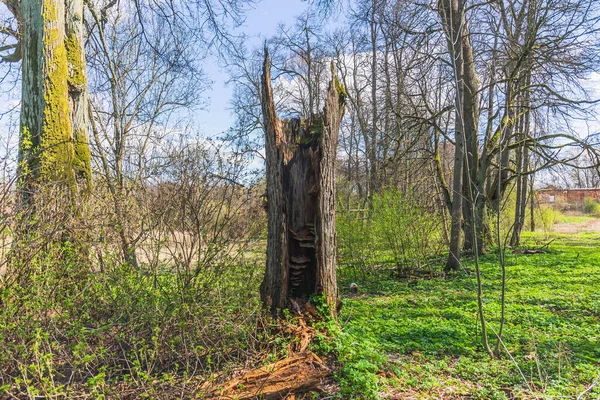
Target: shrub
(590, 206)
(547, 217)
(63, 324)
(355, 240)
(409, 231)
(395, 227)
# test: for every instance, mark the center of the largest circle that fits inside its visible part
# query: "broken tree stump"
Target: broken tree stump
(301, 200)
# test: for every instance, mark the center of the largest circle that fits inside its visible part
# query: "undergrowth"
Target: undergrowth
(66, 330)
(358, 362)
(425, 332)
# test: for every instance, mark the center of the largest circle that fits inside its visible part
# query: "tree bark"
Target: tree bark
(531, 204)
(470, 108)
(451, 20)
(53, 64)
(301, 203)
(522, 158)
(78, 94)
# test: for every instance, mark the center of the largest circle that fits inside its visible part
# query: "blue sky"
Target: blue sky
(261, 22)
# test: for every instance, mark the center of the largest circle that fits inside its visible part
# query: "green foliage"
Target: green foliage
(429, 329)
(61, 323)
(360, 363)
(397, 229)
(406, 229)
(358, 358)
(590, 206)
(356, 240)
(546, 217)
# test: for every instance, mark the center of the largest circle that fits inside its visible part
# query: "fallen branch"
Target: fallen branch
(532, 251)
(297, 374)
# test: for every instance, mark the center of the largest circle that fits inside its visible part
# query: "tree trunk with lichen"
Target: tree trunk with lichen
(301, 244)
(78, 95)
(53, 145)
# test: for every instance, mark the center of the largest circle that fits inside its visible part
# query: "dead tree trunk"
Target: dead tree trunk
(301, 244)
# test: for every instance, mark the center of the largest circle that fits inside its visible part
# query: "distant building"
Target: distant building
(567, 198)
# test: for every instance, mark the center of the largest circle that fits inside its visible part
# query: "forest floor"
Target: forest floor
(421, 338)
(125, 334)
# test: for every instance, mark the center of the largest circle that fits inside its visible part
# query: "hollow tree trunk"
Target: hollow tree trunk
(301, 243)
(52, 67)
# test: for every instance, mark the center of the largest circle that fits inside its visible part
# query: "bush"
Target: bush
(547, 217)
(81, 317)
(100, 332)
(395, 227)
(590, 206)
(355, 240)
(406, 229)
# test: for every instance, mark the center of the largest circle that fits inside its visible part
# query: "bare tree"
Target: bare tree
(145, 78)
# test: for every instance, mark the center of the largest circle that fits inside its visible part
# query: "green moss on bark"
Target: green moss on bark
(77, 76)
(82, 160)
(57, 155)
(25, 150)
(341, 91)
(342, 94)
(314, 132)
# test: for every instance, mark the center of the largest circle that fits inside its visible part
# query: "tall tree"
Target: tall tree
(53, 144)
(452, 15)
(145, 60)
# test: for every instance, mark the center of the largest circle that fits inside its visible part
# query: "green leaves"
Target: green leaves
(430, 327)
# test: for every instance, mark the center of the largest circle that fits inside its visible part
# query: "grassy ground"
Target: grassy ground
(420, 338)
(129, 333)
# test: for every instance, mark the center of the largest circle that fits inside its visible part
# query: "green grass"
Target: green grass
(423, 335)
(575, 219)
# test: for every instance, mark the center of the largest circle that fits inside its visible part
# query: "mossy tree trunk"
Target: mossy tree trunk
(78, 95)
(53, 146)
(301, 203)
